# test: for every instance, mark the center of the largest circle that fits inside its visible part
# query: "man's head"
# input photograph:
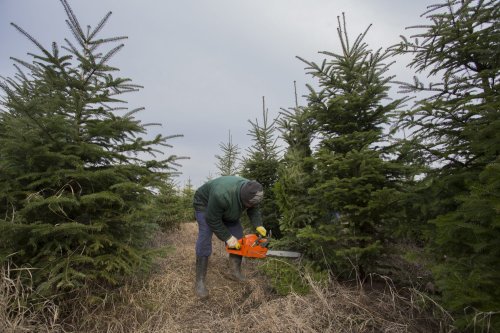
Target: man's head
(251, 193)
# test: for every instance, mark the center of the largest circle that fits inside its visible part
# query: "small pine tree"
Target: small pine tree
(294, 174)
(261, 164)
(73, 188)
(173, 205)
(456, 127)
(228, 163)
(186, 202)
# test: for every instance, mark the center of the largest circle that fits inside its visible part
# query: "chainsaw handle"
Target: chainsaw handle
(257, 241)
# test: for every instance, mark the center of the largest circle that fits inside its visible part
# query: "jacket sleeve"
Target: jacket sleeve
(254, 216)
(214, 212)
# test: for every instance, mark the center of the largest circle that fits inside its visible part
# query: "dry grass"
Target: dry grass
(15, 316)
(166, 303)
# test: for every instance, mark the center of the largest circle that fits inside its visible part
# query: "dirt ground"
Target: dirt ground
(227, 298)
(167, 302)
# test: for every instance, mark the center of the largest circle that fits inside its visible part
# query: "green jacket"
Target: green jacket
(220, 199)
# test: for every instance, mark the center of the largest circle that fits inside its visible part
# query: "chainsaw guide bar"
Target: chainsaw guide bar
(286, 254)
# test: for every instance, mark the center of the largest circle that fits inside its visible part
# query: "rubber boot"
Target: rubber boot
(201, 273)
(235, 267)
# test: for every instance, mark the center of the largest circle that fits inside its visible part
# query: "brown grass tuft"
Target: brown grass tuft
(15, 315)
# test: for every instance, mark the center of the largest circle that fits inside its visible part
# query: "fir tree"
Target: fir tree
(173, 205)
(186, 202)
(456, 127)
(73, 185)
(261, 164)
(294, 173)
(356, 189)
(228, 163)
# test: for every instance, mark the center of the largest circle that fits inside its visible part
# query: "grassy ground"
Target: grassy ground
(166, 303)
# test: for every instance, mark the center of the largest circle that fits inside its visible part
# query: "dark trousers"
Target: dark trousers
(204, 241)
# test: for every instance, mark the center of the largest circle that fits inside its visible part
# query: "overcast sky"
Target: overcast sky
(205, 65)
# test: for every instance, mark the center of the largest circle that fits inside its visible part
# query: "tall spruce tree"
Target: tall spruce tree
(456, 127)
(228, 162)
(261, 164)
(73, 185)
(356, 188)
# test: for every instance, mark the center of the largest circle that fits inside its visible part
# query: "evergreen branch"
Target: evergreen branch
(134, 111)
(45, 60)
(125, 90)
(172, 136)
(88, 32)
(75, 25)
(357, 43)
(33, 40)
(80, 39)
(110, 54)
(5, 87)
(25, 64)
(116, 91)
(55, 50)
(108, 108)
(343, 41)
(305, 61)
(107, 40)
(72, 48)
(21, 73)
(99, 26)
(103, 60)
(295, 94)
(9, 81)
(134, 87)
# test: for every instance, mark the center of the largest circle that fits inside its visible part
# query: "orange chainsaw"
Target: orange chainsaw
(256, 246)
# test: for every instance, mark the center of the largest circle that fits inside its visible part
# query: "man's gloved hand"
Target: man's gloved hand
(233, 243)
(261, 230)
